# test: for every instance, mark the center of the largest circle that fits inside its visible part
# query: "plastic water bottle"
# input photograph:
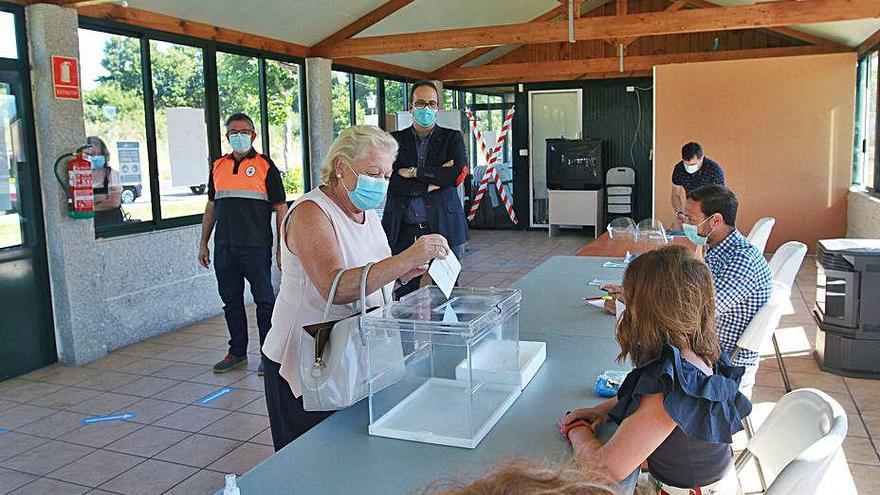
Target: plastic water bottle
(231, 485)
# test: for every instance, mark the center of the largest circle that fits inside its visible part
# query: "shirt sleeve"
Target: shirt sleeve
(274, 185)
(677, 178)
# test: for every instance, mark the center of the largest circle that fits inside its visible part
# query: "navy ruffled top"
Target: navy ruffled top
(707, 410)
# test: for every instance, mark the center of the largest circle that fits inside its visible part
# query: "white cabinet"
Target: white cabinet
(576, 208)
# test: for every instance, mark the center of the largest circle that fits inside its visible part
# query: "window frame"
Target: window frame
(212, 111)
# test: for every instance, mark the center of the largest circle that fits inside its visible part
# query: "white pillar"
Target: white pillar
(318, 89)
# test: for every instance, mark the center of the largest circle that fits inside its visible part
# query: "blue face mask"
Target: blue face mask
(425, 117)
(692, 232)
(240, 142)
(98, 161)
(369, 193)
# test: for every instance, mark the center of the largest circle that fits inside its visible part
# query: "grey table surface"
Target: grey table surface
(340, 457)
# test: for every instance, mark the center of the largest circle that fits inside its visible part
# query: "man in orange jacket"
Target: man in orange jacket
(244, 187)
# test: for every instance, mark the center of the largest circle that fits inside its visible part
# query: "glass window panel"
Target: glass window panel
(113, 109)
(482, 99)
(449, 102)
(870, 166)
(8, 36)
(285, 124)
(340, 101)
(366, 90)
(394, 91)
(238, 86)
(181, 132)
(11, 155)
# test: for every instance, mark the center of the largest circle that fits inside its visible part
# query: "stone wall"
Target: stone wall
(862, 215)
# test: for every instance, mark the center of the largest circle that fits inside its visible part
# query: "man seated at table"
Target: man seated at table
(740, 273)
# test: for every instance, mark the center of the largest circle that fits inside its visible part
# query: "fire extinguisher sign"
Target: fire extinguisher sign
(65, 77)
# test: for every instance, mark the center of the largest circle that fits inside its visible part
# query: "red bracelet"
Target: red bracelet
(575, 424)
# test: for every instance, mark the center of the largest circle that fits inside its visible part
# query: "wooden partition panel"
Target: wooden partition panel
(782, 128)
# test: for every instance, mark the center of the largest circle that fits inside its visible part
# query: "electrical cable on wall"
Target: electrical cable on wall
(638, 123)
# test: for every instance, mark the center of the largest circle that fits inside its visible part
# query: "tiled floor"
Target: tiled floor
(176, 445)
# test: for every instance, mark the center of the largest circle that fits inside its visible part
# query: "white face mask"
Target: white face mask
(692, 169)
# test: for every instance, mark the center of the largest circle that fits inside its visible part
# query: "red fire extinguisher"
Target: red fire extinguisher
(78, 186)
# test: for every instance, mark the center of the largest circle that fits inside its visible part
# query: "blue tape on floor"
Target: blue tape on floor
(214, 396)
(104, 419)
(2, 431)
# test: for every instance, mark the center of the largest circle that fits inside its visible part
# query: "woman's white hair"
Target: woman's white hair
(355, 143)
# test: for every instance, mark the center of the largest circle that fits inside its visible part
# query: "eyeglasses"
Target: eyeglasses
(233, 132)
(422, 104)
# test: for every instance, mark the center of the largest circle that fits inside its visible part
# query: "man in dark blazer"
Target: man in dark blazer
(423, 194)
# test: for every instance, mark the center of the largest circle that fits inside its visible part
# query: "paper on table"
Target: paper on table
(599, 303)
(445, 272)
(599, 282)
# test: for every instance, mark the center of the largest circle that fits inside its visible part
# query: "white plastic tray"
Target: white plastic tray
(437, 413)
(493, 355)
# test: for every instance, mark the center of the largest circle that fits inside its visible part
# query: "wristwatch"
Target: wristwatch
(413, 171)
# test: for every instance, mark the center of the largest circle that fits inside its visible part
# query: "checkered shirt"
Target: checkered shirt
(742, 285)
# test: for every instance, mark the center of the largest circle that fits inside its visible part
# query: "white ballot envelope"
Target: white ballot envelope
(445, 272)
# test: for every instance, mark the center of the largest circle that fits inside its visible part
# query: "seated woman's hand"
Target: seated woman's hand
(425, 249)
(594, 416)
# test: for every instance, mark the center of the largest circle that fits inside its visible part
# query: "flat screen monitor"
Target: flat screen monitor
(575, 164)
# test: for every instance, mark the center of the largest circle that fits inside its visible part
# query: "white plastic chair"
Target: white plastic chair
(786, 261)
(784, 266)
(765, 322)
(797, 442)
(761, 232)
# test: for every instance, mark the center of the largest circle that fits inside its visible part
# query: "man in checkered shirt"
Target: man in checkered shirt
(741, 275)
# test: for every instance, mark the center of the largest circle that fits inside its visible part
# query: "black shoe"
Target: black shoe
(260, 370)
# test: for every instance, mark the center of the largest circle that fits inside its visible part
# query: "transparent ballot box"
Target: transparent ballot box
(461, 360)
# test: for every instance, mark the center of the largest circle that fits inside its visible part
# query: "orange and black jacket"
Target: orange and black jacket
(244, 193)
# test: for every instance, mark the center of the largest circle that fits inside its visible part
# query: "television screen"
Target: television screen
(575, 164)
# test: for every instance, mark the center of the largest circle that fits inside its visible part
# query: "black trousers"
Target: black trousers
(233, 265)
(287, 418)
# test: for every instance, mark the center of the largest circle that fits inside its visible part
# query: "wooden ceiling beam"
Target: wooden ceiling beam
(869, 43)
(479, 52)
(573, 69)
(382, 67)
(784, 31)
(162, 22)
(761, 15)
(362, 23)
(527, 78)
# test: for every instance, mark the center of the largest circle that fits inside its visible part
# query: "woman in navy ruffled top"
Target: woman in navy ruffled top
(680, 406)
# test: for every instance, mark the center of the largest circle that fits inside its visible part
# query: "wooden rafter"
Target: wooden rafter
(362, 23)
(761, 15)
(869, 43)
(382, 67)
(621, 7)
(785, 31)
(549, 78)
(576, 69)
(162, 22)
(479, 52)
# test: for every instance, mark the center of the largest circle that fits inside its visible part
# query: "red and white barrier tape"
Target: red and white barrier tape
(491, 172)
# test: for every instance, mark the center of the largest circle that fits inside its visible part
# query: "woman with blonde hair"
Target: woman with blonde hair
(334, 227)
(680, 406)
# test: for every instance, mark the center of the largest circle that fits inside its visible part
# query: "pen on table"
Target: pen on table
(596, 298)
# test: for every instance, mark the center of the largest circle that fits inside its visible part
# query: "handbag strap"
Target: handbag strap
(363, 287)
